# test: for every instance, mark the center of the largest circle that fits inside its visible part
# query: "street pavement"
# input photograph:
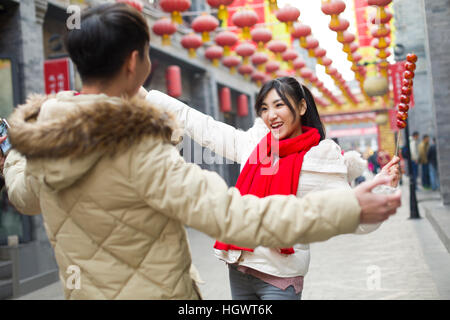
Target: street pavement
(403, 259)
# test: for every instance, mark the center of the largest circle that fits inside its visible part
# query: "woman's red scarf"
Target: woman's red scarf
(262, 179)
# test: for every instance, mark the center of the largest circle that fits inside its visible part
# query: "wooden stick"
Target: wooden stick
(397, 146)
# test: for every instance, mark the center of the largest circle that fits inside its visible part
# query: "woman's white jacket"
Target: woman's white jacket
(323, 167)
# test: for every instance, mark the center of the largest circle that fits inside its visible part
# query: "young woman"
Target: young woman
(285, 152)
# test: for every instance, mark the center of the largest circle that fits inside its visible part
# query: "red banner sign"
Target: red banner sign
(362, 23)
(57, 75)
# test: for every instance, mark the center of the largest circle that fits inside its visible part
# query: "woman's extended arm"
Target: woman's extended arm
(217, 136)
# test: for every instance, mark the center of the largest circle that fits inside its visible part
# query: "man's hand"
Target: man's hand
(376, 207)
(391, 169)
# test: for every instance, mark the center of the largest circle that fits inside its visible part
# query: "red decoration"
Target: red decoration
(259, 59)
(306, 73)
(311, 45)
(191, 42)
(277, 47)
(402, 115)
(225, 99)
(407, 83)
(173, 81)
(226, 39)
(231, 62)
(242, 105)
(261, 36)
(301, 31)
(246, 70)
(272, 67)
(333, 9)
(214, 53)
(245, 19)
(258, 77)
(401, 124)
(165, 28)
(298, 63)
(381, 20)
(288, 15)
(289, 56)
(381, 32)
(245, 50)
(341, 27)
(205, 24)
(326, 61)
(404, 99)
(410, 66)
(57, 75)
(408, 74)
(175, 7)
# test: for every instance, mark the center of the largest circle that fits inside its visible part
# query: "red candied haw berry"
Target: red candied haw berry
(410, 66)
(404, 99)
(406, 91)
(411, 57)
(408, 74)
(407, 83)
(403, 107)
(401, 124)
(401, 115)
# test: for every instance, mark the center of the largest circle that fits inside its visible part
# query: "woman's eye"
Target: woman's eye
(278, 105)
(263, 109)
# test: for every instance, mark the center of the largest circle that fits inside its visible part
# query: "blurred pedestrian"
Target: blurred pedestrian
(423, 161)
(433, 166)
(115, 193)
(414, 151)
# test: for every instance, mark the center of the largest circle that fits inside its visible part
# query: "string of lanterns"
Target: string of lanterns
(258, 42)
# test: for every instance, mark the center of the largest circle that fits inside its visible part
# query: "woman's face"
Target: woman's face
(278, 117)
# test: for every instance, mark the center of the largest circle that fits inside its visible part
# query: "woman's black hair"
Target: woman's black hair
(290, 87)
(108, 34)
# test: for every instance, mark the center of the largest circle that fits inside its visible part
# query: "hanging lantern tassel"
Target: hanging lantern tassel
(192, 52)
(334, 23)
(273, 5)
(215, 62)
(340, 36)
(289, 27)
(311, 53)
(205, 36)
(166, 40)
(246, 33)
(223, 12)
(232, 70)
(176, 17)
(226, 51)
(303, 42)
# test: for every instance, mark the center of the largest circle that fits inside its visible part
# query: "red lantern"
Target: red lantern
(225, 99)
(288, 15)
(340, 27)
(272, 67)
(259, 59)
(245, 50)
(333, 9)
(326, 61)
(191, 42)
(385, 18)
(261, 36)
(205, 24)
(298, 63)
(231, 62)
(245, 70)
(165, 28)
(319, 53)
(331, 71)
(289, 56)
(214, 53)
(306, 73)
(175, 7)
(258, 77)
(242, 105)
(221, 5)
(245, 19)
(226, 39)
(282, 73)
(134, 3)
(173, 81)
(277, 47)
(381, 43)
(382, 54)
(311, 45)
(381, 32)
(379, 3)
(301, 31)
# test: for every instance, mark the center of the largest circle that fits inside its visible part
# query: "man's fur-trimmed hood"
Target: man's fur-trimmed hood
(62, 136)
